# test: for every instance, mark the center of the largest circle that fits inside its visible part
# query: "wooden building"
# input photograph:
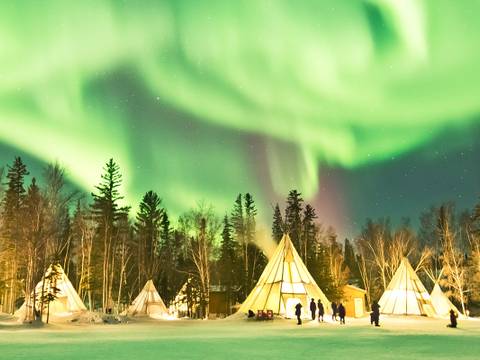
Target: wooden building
(354, 301)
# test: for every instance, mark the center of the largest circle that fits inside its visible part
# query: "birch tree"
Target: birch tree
(453, 260)
(201, 227)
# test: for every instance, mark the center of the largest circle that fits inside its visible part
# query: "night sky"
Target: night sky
(369, 108)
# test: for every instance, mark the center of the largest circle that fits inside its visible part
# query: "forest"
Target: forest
(109, 252)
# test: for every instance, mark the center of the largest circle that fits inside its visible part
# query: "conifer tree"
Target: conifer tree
(227, 263)
(293, 217)
(308, 235)
(255, 258)
(277, 224)
(51, 292)
(12, 229)
(238, 222)
(321, 272)
(169, 278)
(107, 211)
(148, 227)
(351, 262)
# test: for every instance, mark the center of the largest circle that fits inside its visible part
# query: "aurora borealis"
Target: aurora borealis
(366, 107)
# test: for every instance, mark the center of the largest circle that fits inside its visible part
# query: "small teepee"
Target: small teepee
(284, 283)
(66, 303)
(441, 303)
(148, 303)
(405, 294)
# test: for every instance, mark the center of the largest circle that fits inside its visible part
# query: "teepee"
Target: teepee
(284, 283)
(148, 303)
(405, 294)
(441, 303)
(66, 303)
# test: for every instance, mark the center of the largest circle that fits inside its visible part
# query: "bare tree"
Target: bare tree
(374, 239)
(201, 227)
(339, 272)
(83, 232)
(57, 202)
(453, 259)
(34, 214)
(366, 273)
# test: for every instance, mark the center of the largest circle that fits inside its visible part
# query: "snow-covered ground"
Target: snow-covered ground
(397, 338)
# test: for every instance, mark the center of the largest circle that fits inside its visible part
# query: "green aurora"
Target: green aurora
(205, 99)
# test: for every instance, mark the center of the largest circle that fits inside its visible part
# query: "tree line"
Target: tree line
(109, 252)
(445, 249)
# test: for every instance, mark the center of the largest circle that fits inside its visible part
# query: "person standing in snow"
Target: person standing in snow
(453, 319)
(375, 315)
(341, 313)
(313, 308)
(298, 313)
(321, 311)
(334, 311)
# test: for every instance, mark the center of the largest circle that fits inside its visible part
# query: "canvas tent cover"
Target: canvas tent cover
(442, 303)
(405, 294)
(67, 301)
(284, 282)
(148, 303)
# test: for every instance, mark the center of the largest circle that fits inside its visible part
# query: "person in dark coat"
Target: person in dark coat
(321, 311)
(298, 313)
(453, 319)
(313, 309)
(375, 314)
(334, 311)
(341, 313)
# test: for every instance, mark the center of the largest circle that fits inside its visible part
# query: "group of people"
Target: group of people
(336, 310)
(341, 312)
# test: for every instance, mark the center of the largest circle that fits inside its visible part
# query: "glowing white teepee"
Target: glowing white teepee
(148, 303)
(405, 294)
(67, 302)
(441, 303)
(284, 283)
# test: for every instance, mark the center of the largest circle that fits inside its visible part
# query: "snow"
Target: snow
(397, 338)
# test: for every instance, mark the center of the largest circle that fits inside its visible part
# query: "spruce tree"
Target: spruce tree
(250, 213)
(277, 224)
(309, 235)
(293, 217)
(170, 251)
(227, 263)
(239, 232)
(322, 274)
(351, 262)
(106, 211)
(256, 260)
(12, 229)
(148, 227)
(238, 221)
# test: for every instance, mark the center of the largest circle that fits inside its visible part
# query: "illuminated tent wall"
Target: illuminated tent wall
(284, 282)
(67, 302)
(148, 303)
(405, 294)
(179, 305)
(441, 303)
